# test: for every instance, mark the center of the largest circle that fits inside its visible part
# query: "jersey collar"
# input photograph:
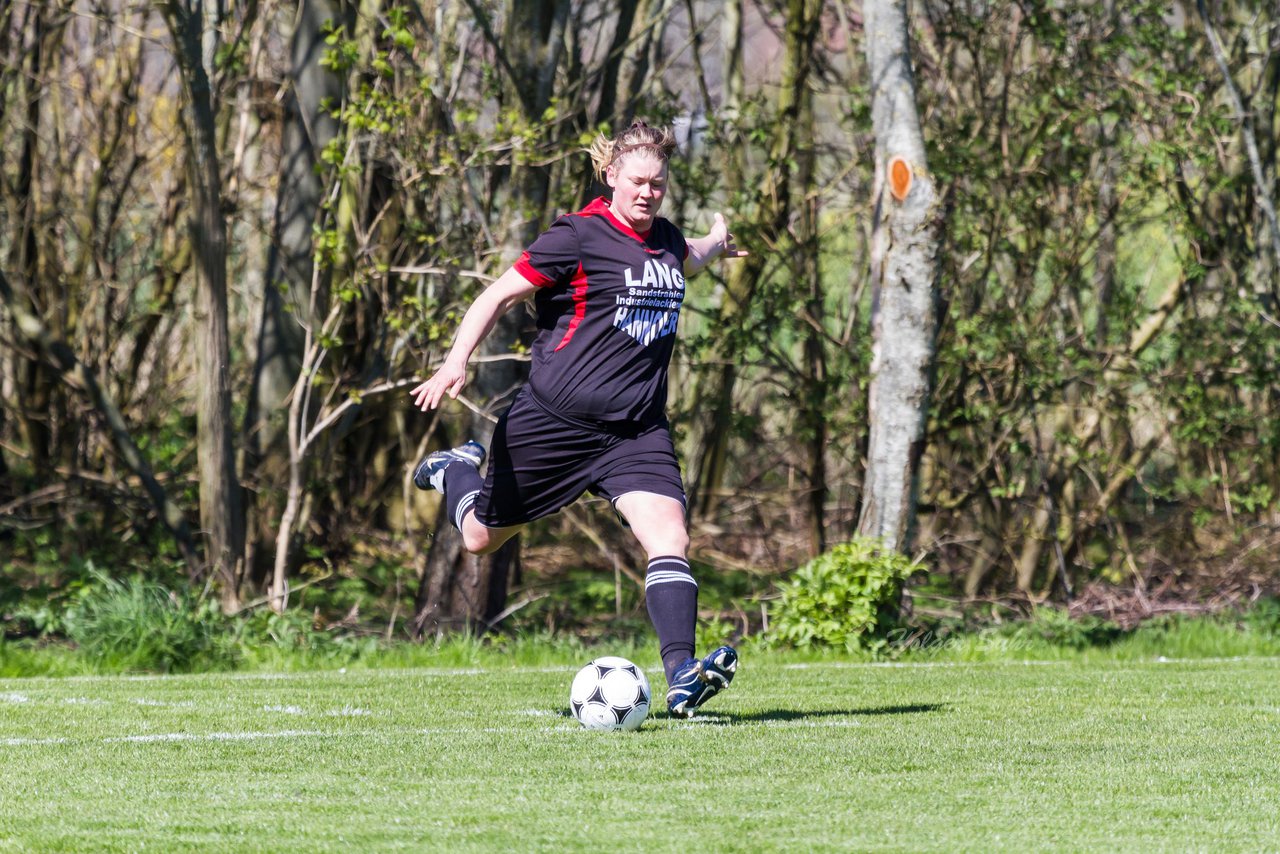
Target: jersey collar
(602, 207)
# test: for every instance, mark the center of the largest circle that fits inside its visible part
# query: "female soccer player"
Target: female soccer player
(607, 283)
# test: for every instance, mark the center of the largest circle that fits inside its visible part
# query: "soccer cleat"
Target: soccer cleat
(696, 681)
(430, 472)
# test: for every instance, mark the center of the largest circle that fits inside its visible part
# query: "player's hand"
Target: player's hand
(448, 380)
(724, 239)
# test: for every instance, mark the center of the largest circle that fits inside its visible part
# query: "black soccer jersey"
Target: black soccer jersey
(608, 303)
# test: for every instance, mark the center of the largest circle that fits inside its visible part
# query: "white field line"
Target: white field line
(803, 724)
(217, 736)
(347, 711)
(46, 681)
(292, 676)
(563, 724)
(910, 665)
(854, 665)
(168, 736)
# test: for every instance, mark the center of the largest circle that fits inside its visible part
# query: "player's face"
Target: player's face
(639, 185)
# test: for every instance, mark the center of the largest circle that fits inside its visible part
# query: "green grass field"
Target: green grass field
(1070, 755)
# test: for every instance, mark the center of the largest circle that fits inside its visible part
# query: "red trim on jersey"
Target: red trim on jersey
(579, 307)
(524, 268)
(602, 207)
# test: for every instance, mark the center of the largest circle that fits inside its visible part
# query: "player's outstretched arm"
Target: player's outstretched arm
(494, 301)
(704, 250)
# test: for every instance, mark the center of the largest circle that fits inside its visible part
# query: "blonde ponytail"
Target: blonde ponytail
(606, 152)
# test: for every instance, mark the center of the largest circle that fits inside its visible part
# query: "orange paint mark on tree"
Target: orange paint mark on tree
(899, 178)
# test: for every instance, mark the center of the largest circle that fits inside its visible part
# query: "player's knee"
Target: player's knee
(479, 540)
(681, 544)
(674, 542)
(476, 542)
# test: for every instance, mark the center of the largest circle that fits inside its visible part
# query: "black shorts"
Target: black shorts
(540, 462)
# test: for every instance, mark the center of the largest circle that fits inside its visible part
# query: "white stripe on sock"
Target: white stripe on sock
(653, 573)
(668, 577)
(468, 501)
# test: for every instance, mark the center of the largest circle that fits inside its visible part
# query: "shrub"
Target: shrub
(846, 598)
(135, 624)
(1050, 627)
(295, 639)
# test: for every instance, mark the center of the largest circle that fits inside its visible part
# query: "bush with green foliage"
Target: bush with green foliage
(846, 598)
(1049, 627)
(136, 624)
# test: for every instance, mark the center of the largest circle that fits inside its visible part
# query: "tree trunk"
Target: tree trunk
(25, 255)
(714, 392)
(809, 274)
(773, 216)
(904, 270)
(221, 514)
(458, 590)
(1104, 270)
(625, 67)
(1269, 233)
(287, 297)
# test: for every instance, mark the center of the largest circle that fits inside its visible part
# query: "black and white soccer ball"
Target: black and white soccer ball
(610, 693)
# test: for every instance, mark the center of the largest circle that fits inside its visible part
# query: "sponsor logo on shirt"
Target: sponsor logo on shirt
(656, 275)
(651, 307)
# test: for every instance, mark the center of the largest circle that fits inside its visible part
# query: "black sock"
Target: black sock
(462, 484)
(672, 597)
